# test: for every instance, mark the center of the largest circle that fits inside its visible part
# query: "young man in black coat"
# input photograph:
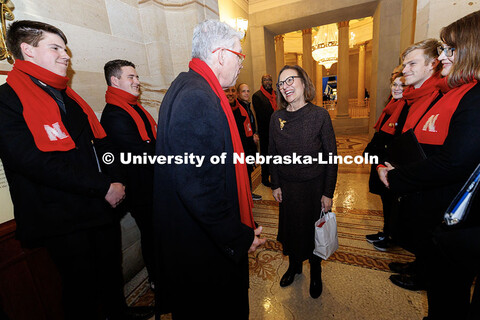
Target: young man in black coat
(132, 130)
(51, 144)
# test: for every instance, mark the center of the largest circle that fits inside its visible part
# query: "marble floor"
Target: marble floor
(355, 278)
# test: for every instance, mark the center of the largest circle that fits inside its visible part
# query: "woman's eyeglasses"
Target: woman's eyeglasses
(288, 82)
(447, 50)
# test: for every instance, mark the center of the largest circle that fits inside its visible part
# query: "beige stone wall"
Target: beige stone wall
(433, 15)
(154, 34)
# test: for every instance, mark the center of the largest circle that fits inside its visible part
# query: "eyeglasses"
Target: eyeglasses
(240, 56)
(447, 50)
(288, 82)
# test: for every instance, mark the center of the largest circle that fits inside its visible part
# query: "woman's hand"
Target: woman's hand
(326, 204)
(277, 194)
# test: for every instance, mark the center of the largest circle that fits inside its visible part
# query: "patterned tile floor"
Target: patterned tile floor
(355, 278)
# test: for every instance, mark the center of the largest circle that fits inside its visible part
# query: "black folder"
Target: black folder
(405, 149)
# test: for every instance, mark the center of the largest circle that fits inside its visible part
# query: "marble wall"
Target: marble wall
(154, 34)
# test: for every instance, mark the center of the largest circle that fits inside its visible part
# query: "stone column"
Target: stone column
(361, 75)
(318, 84)
(307, 61)
(279, 53)
(342, 70)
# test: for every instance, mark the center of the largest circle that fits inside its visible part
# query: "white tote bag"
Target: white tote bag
(326, 239)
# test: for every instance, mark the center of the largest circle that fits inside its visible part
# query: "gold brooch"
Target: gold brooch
(282, 123)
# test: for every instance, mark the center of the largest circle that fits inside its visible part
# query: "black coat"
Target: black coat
(54, 193)
(263, 111)
(433, 183)
(124, 134)
(202, 242)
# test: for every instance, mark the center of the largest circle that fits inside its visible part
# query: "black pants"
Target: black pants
(89, 262)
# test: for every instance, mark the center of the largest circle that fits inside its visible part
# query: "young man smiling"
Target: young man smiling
(132, 130)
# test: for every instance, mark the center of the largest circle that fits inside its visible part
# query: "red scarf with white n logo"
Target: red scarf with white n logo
(434, 125)
(124, 100)
(40, 110)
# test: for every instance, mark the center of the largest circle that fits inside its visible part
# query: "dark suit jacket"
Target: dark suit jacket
(202, 242)
(124, 134)
(54, 193)
(263, 111)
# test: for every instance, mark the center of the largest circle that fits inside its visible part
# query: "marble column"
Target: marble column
(361, 75)
(279, 53)
(307, 61)
(318, 84)
(343, 70)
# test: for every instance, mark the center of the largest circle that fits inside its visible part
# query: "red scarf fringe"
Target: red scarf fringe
(40, 110)
(243, 186)
(124, 100)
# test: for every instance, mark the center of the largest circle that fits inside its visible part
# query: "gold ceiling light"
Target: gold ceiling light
(325, 45)
(6, 7)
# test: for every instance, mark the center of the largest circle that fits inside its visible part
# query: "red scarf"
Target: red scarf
(247, 126)
(40, 110)
(391, 107)
(124, 100)
(271, 97)
(243, 185)
(420, 99)
(434, 125)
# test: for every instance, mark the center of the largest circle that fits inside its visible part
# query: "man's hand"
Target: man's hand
(257, 241)
(256, 139)
(277, 194)
(383, 173)
(115, 194)
(326, 203)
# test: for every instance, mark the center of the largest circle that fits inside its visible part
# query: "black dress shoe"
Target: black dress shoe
(409, 282)
(316, 288)
(139, 313)
(289, 276)
(403, 268)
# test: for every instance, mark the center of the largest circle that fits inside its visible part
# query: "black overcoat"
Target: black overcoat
(202, 245)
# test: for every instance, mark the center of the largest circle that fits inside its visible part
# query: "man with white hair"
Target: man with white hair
(202, 206)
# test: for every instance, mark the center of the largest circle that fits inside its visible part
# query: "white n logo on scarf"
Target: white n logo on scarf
(54, 132)
(430, 124)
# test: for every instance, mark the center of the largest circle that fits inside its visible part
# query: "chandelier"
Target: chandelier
(325, 45)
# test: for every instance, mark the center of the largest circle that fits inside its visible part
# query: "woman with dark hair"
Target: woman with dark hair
(303, 190)
(449, 135)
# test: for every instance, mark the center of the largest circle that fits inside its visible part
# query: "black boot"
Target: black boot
(316, 286)
(295, 267)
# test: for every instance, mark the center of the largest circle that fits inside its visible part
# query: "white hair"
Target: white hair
(210, 35)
